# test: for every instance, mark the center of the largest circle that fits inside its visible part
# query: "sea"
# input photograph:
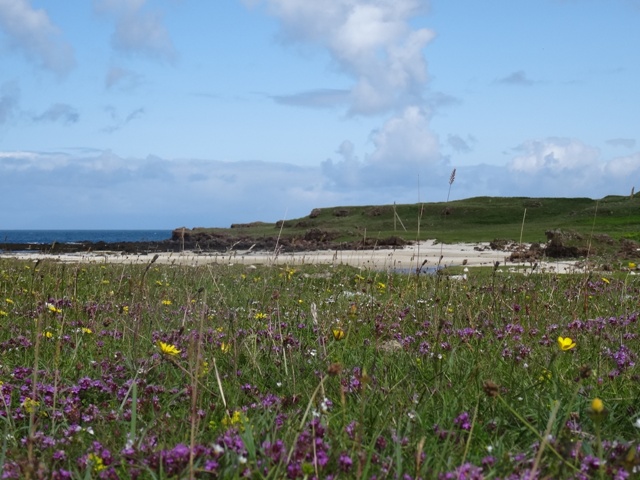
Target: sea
(76, 236)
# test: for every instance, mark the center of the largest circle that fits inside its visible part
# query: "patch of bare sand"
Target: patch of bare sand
(427, 254)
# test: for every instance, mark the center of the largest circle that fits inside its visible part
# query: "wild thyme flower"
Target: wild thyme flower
(565, 343)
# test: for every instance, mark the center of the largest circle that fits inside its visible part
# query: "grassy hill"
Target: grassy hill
(607, 220)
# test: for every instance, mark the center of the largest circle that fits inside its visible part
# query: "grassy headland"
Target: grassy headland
(598, 225)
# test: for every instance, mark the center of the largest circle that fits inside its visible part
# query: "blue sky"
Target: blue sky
(168, 113)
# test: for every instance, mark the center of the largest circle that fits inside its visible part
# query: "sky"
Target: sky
(158, 114)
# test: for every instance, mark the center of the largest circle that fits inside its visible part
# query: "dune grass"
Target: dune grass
(129, 371)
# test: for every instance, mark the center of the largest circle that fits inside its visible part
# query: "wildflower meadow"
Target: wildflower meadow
(152, 371)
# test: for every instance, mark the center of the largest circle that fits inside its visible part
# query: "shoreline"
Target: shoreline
(426, 254)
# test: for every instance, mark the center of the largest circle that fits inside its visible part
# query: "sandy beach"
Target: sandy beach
(426, 254)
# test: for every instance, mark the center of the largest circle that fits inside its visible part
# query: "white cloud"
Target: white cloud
(555, 156)
(569, 168)
(627, 167)
(406, 139)
(32, 31)
(373, 42)
(137, 29)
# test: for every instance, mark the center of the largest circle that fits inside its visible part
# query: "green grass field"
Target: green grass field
(127, 371)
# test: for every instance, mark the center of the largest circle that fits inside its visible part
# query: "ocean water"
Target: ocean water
(71, 236)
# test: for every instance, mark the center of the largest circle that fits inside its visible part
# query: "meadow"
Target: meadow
(318, 371)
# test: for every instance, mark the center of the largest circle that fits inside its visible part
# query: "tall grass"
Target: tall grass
(224, 371)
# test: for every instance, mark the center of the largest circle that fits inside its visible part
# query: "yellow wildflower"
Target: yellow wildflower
(565, 343)
(9, 301)
(545, 375)
(597, 405)
(96, 462)
(29, 405)
(166, 302)
(86, 330)
(260, 316)
(105, 282)
(125, 309)
(52, 308)
(168, 349)
(47, 334)
(381, 286)
(3, 313)
(225, 347)
(338, 333)
(597, 412)
(237, 418)
(632, 266)
(606, 280)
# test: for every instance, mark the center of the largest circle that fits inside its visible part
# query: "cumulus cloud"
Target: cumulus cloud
(138, 30)
(31, 31)
(548, 166)
(404, 147)
(627, 167)
(554, 157)
(373, 42)
(59, 112)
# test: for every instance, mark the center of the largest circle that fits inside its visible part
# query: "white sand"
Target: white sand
(407, 258)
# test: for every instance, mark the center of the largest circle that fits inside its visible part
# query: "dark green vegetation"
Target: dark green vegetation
(471, 220)
(133, 371)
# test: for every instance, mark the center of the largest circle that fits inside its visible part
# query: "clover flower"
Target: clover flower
(168, 349)
(565, 343)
